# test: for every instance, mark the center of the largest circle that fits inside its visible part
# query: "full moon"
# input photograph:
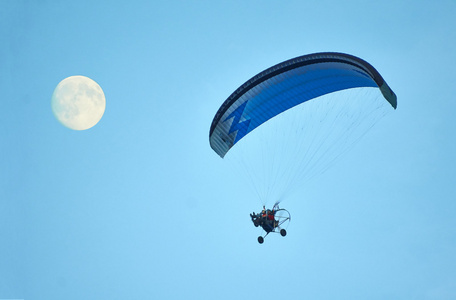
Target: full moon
(78, 102)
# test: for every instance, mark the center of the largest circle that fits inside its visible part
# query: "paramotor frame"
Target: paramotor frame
(279, 224)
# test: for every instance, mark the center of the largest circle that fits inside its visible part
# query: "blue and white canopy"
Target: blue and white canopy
(286, 85)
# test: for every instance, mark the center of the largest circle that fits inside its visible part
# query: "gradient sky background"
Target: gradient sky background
(140, 207)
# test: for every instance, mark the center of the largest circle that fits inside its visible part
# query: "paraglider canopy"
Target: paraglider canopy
(286, 85)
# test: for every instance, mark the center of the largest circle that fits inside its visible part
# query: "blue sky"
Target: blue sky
(140, 207)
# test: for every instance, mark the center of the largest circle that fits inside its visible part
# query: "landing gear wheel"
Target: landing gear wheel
(260, 239)
(283, 232)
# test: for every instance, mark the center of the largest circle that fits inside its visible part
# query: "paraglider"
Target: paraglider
(285, 86)
(271, 220)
